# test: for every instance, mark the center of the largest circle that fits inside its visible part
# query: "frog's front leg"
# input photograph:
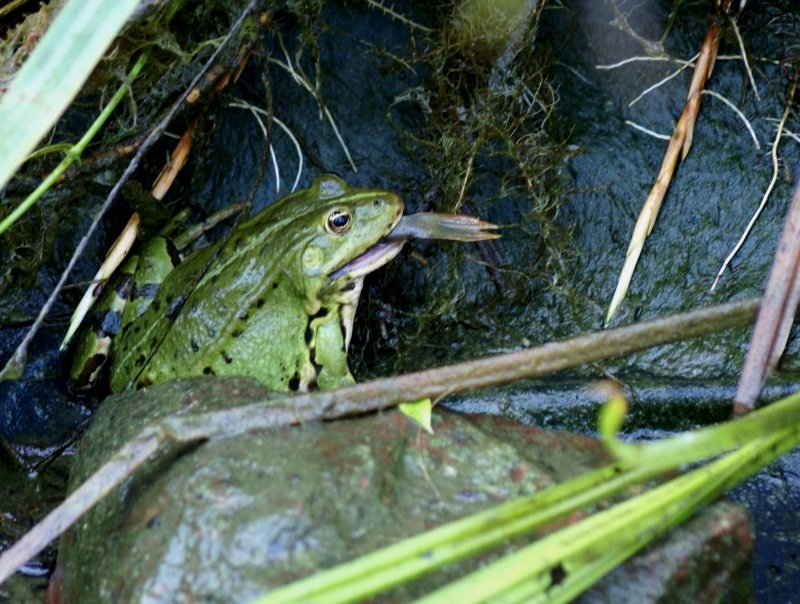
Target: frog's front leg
(330, 353)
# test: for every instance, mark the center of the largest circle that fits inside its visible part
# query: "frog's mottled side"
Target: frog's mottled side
(261, 302)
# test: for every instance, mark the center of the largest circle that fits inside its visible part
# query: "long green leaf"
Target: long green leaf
(762, 435)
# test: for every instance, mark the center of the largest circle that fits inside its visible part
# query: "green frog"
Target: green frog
(274, 300)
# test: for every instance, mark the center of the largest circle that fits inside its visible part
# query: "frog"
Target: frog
(274, 300)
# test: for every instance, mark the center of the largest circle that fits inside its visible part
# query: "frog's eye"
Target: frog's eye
(338, 222)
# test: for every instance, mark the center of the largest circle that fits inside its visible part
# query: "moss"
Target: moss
(481, 123)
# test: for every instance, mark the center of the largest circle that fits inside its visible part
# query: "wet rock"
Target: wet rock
(235, 517)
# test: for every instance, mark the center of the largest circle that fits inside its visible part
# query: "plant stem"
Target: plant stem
(75, 151)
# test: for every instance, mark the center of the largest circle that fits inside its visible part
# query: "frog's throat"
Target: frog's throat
(374, 258)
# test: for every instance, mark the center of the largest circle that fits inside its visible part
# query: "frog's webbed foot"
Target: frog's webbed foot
(330, 354)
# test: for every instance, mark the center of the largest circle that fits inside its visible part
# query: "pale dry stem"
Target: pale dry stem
(645, 58)
(680, 143)
(303, 81)
(654, 134)
(740, 42)
(258, 112)
(170, 171)
(738, 112)
(118, 252)
(663, 81)
(465, 181)
(767, 193)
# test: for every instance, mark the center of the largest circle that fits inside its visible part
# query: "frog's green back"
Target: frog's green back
(259, 303)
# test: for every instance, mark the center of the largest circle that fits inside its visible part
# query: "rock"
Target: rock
(234, 517)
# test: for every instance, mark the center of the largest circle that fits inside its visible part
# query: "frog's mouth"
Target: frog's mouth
(375, 257)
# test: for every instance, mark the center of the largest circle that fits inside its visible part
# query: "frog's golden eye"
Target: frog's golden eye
(339, 222)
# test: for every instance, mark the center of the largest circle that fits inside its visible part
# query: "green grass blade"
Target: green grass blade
(695, 445)
(763, 435)
(73, 152)
(603, 537)
(417, 555)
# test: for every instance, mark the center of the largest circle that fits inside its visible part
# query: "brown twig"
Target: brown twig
(776, 315)
(177, 160)
(369, 396)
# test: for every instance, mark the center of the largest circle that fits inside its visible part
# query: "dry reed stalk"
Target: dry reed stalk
(679, 144)
(776, 314)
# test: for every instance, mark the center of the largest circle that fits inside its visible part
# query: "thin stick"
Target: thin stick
(661, 82)
(118, 252)
(284, 127)
(642, 58)
(679, 145)
(663, 137)
(297, 149)
(371, 396)
(265, 132)
(767, 193)
(177, 160)
(667, 58)
(465, 181)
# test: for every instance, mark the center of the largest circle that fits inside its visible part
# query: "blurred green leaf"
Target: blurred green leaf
(54, 73)
(419, 412)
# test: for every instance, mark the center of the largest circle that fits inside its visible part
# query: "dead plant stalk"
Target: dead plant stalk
(679, 144)
(776, 315)
(765, 197)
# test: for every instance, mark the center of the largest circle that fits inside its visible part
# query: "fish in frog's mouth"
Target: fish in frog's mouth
(413, 226)
(426, 225)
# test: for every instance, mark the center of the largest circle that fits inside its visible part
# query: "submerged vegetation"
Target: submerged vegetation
(481, 122)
